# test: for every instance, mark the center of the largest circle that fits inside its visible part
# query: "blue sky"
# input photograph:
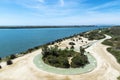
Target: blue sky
(59, 12)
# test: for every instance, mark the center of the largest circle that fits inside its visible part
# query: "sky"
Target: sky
(59, 12)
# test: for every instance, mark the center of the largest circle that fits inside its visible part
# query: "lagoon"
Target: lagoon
(14, 41)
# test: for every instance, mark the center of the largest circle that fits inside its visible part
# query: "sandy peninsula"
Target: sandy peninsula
(23, 67)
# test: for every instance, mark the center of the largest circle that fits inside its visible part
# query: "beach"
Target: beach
(23, 67)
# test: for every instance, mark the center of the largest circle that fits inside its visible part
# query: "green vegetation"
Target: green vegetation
(114, 42)
(71, 43)
(115, 52)
(0, 59)
(9, 62)
(0, 67)
(118, 78)
(12, 56)
(94, 35)
(79, 61)
(113, 31)
(60, 58)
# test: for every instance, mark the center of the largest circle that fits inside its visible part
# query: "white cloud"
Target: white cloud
(57, 9)
(64, 12)
(42, 1)
(62, 2)
(106, 5)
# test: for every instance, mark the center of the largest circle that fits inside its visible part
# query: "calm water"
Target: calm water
(17, 40)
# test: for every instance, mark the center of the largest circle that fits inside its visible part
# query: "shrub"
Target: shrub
(79, 61)
(59, 58)
(94, 35)
(72, 47)
(82, 50)
(107, 42)
(71, 43)
(0, 67)
(118, 78)
(114, 53)
(9, 62)
(12, 56)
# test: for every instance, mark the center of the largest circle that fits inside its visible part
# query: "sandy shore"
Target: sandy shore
(24, 68)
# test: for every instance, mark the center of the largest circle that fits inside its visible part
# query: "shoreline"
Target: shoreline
(48, 43)
(39, 46)
(23, 66)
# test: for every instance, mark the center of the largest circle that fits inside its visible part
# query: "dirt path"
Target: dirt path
(24, 68)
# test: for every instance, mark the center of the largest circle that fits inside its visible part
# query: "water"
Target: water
(14, 41)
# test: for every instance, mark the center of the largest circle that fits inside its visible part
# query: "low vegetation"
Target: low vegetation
(79, 61)
(94, 35)
(114, 42)
(118, 78)
(60, 58)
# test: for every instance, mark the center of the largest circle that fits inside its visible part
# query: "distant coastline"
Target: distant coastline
(26, 27)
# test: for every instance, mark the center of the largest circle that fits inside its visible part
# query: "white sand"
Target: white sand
(24, 68)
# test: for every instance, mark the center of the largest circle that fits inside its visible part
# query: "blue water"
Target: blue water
(14, 41)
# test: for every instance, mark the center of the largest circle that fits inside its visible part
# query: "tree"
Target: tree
(82, 50)
(45, 51)
(12, 56)
(9, 62)
(71, 43)
(66, 48)
(59, 58)
(52, 59)
(66, 63)
(30, 50)
(72, 47)
(0, 67)
(80, 38)
(79, 61)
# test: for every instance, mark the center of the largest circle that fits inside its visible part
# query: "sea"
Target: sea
(14, 41)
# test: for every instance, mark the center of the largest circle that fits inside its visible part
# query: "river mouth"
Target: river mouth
(69, 71)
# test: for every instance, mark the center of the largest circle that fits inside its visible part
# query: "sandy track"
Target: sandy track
(24, 68)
